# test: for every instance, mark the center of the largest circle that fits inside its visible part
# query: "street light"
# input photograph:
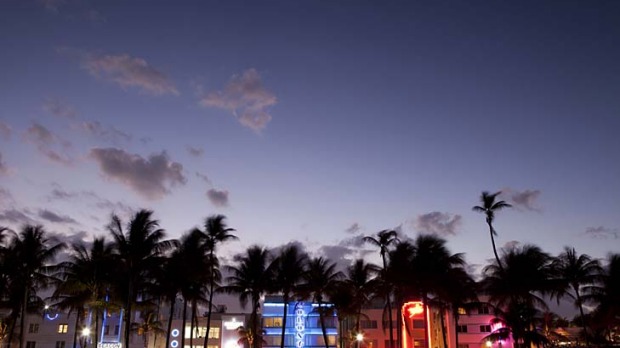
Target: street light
(86, 332)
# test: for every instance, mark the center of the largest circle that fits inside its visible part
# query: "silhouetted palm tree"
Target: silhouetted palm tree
(139, 248)
(321, 278)
(216, 232)
(573, 272)
(516, 290)
(148, 325)
(289, 268)
(398, 275)
(361, 279)
(488, 208)
(457, 292)
(84, 282)
(383, 241)
(251, 277)
(606, 294)
(30, 253)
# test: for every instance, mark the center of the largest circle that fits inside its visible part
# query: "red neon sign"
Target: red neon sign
(413, 308)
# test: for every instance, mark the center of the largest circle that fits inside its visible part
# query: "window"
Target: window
(106, 330)
(272, 322)
(418, 324)
(62, 328)
(116, 329)
(368, 324)
(462, 311)
(214, 332)
(31, 344)
(60, 344)
(418, 343)
(461, 328)
(485, 328)
(33, 328)
(483, 309)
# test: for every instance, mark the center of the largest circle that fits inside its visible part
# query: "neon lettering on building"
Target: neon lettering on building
(300, 325)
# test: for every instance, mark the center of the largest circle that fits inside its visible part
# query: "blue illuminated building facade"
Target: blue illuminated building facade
(303, 327)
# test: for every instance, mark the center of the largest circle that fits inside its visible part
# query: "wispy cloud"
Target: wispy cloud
(128, 71)
(524, 200)
(442, 224)
(15, 216)
(218, 198)
(247, 99)
(55, 218)
(5, 130)
(195, 151)
(44, 140)
(151, 177)
(354, 228)
(5, 197)
(346, 250)
(601, 232)
(59, 108)
(4, 169)
(203, 177)
(109, 133)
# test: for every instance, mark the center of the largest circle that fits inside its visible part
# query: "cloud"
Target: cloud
(15, 216)
(523, 200)
(195, 151)
(601, 232)
(150, 177)
(5, 130)
(128, 71)
(4, 169)
(109, 133)
(354, 228)
(441, 224)
(44, 140)
(218, 198)
(53, 5)
(59, 108)
(204, 178)
(5, 196)
(510, 245)
(247, 99)
(346, 250)
(53, 217)
(99, 202)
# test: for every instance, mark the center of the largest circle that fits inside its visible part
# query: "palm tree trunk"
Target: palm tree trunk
(322, 320)
(583, 319)
(211, 286)
(257, 339)
(456, 331)
(128, 312)
(424, 313)
(499, 263)
(96, 336)
(22, 319)
(75, 328)
(284, 315)
(443, 327)
(191, 324)
(357, 327)
(389, 305)
(172, 303)
(399, 327)
(11, 331)
(184, 321)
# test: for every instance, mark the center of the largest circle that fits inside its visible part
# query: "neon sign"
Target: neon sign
(300, 325)
(232, 324)
(413, 308)
(109, 345)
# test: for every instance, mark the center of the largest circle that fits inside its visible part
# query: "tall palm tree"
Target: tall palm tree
(320, 278)
(289, 268)
(458, 291)
(361, 279)
(216, 232)
(31, 253)
(398, 275)
(573, 272)
(517, 290)
(84, 282)
(383, 241)
(488, 208)
(139, 249)
(148, 325)
(606, 294)
(251, 277)
(168, 284)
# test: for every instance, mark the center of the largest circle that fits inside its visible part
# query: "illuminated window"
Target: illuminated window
(272, 322)
(418, 343)
(485, 328)
(461, 328)
(462, 311)
(62, 328)
(60, 344)
(214, 332)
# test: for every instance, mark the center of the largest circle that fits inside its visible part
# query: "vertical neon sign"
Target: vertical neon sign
(300, 325)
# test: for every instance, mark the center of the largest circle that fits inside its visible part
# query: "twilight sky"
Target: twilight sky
(316, 121)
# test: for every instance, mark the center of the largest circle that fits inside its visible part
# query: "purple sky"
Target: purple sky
(315, 121)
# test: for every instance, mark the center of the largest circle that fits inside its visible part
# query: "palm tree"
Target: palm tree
(250, 278)
(606, 294)
(216, 232)
(148, 325)
(84, 282)
(168, 284)
(574, 271)
(360, 278)
(383, 240)
(516, 290)
(489, 207)
(320, 278)
(289, 268)
(139, 249)
(398, 275)
(457, 292)
(31, 253)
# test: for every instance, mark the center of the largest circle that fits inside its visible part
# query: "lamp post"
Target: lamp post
(85, 336)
